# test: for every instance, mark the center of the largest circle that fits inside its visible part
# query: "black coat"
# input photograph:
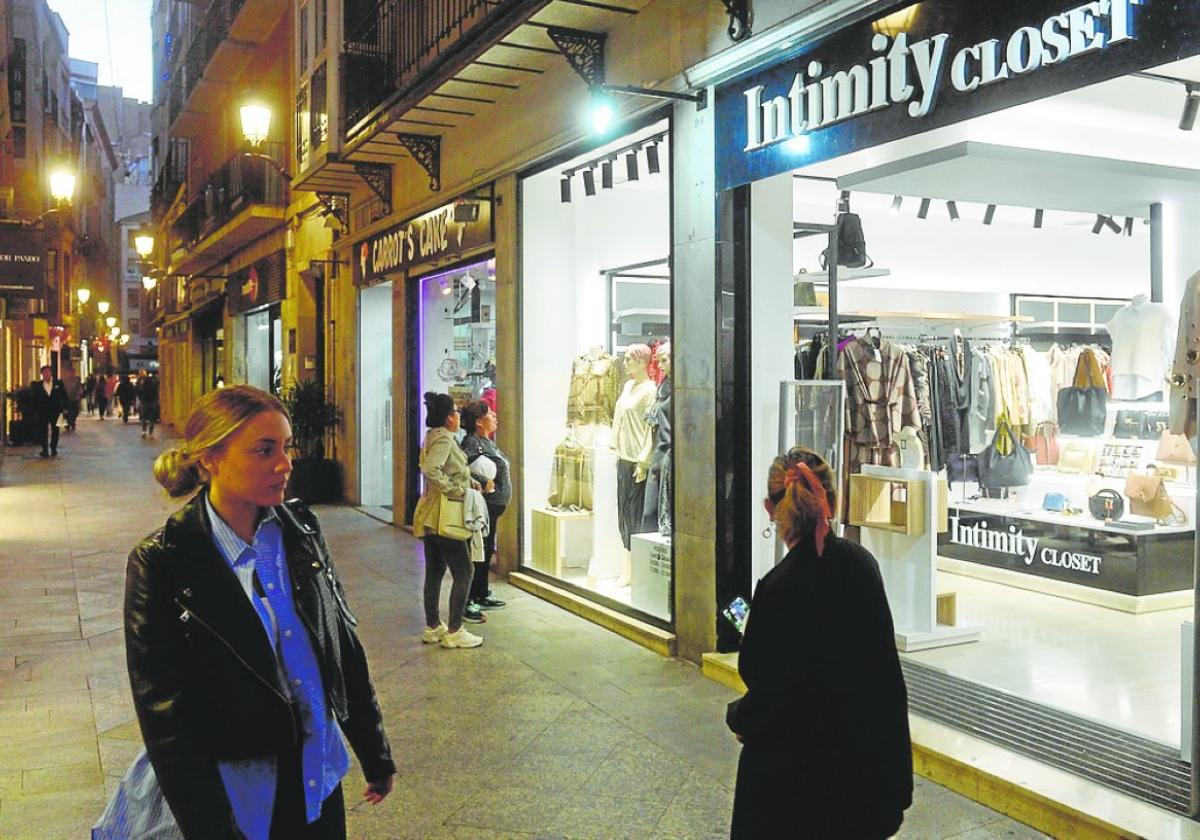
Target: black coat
(825, 720)
(204, 677)
(47, 408)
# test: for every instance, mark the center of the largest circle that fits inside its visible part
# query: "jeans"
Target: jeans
(440, 554)
(479, 583)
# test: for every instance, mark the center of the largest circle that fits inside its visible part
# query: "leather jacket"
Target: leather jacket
(205, 680)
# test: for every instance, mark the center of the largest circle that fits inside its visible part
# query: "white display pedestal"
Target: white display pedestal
(650, 574)
(908, 564)
(562, 539)
(607, 549)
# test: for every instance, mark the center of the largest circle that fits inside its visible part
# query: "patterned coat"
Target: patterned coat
(881, 399)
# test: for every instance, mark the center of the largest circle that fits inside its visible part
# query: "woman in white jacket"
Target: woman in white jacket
(444, 466)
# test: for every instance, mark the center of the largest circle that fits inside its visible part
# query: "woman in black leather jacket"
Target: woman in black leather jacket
(243, 659)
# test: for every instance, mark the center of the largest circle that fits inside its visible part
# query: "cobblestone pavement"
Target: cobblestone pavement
(555, 728)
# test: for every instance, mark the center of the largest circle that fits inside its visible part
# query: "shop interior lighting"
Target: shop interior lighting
(924, 211)
(952, 209)
(989, 214)
(1191, 107)
(1038, 217)
(589, 181)
(606, 175)
(631, 166)
(896, 202)
(447, 288)
(600, 111)
(565, 189)
(652, 163)
(1111, 224)
(467, 282)
(607, 162)
(1129, 225)
(1102, 222)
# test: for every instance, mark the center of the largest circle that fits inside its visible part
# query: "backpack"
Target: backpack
(852, 245)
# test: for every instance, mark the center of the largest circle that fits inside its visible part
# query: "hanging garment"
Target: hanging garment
(659, 418)
(947, 413)
(1186, 366)
(880, 400)
(962, 372)
(595, 386)
(1041, 392)
(571, 476)
(1141, 340)
(980, 402)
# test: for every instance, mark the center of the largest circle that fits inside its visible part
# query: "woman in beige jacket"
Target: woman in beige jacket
(444, 466)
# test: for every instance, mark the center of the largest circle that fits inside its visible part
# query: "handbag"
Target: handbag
(1043, 443)
(1077, 457)
(1083, 407)
(1148, 497)
(1055, 502)
(1154, 423)
(999, 468)
(1175, 449)
(962, 466)
(1106, 505)
(1129, 424)
(852, 245)
(452, 519)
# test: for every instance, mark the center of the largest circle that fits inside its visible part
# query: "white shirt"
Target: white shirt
(47, 386)
(1142, 333)
(631, 433)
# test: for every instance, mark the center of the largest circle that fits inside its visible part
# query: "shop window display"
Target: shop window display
(596, 323)
(458, 333)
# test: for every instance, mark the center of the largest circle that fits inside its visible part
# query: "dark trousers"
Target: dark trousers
(125, 410)
(102, 406)
(479, 583)
(442, 554)
(72, 414)
(631, 499)
(288, 819)
(48, 433)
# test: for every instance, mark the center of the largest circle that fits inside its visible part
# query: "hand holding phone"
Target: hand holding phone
(738, 613)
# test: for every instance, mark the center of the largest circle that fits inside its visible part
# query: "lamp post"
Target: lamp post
(110, 322)
(143, 243)
(83, 295)
(62, 186)
(148, 283)
(102, 306)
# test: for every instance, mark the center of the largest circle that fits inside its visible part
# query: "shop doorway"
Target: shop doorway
(376, 459)
(262, 349)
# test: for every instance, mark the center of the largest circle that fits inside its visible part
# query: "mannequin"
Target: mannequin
(658, 482)
(1141, 333)
(632, 441)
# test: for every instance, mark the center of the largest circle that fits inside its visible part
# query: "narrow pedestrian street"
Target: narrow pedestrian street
(555, 728)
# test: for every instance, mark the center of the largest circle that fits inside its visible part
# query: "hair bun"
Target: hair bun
(174, 472)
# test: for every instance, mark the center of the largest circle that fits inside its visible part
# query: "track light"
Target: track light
(631, 166)
(565, 189)
(896, 202)
(606, 180)
(1191, 108)
(1099, 226)
(1111, 224)
(1129, 225)
(652, 164)
(924, 211)
(589, 181)
(1038, 216)
(952, 209)
(989, 214)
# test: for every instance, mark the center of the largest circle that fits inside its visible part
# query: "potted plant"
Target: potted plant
(315, 478)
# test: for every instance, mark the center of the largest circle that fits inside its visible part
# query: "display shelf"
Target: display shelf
(896, 505)
(561, 539)
(1083, 520)
(643, 312)
(842, 274)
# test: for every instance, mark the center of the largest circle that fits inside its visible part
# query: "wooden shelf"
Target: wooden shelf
(896, 505)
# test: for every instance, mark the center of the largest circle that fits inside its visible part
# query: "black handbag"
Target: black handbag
(1129, 424)
(1082, 408)
(1107, 504)
(852, 244)
(999, 469)
(962, 466)
(1154, 423)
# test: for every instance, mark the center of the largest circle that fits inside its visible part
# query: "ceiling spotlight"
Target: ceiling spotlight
(631, 166)
(446, 288)
(652, 164)
(989, 214)
(1191, 108)
(589, 181)
(924, 211)
(1038, 216)
(1099, 226)
(606, 180)
(565, 189)
(952, 209)
(1129, 225)
(896, 202)
(1111, 224)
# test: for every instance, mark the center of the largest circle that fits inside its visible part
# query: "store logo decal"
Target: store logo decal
(816, 100)
(1014, 542)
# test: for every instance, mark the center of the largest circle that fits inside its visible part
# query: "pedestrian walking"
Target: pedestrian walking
(824, 722)
(73, 389)
(89, 393)
(110, 391)
(148, 405)
(484, 457)
(102, 395)
(126, 394)
(48, 400)
(244, 663)
(447, 479)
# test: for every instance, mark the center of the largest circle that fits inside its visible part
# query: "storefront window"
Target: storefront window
(596, 364)
(375, 395)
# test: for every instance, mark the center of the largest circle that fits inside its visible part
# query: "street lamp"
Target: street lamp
(83, 296)
(124, 338)
(102, 306)
(114, 332)
(143, 243)
(62, 185)
(110, 321)
(148, 283)
(256, 122)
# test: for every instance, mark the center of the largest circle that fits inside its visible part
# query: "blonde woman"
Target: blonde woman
(245, 666)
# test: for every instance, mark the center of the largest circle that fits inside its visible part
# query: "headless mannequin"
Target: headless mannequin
(639, 379)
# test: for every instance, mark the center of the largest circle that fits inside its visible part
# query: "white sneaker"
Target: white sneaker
(461, 639)
(433, 635)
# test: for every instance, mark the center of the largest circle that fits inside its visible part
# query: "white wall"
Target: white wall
(375, 395)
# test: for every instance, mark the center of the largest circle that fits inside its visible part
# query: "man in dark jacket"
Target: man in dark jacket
(48, 399)
(126, 393)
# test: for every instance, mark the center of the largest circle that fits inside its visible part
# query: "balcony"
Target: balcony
(243, 200)
(221, 47)
(8, 176)
(171, 176)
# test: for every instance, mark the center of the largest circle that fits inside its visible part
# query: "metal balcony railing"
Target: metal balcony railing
(210, 32)
(239, 183)
(170, 177)
(397, 42)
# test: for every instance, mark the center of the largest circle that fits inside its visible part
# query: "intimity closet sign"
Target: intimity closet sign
(932, 64)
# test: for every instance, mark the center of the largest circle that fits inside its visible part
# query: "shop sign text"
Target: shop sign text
(1029, 550)
(424, 238)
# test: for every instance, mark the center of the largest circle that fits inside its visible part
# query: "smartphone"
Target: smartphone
(737, 612)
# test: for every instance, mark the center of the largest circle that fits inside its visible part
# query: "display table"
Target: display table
(1075, 549)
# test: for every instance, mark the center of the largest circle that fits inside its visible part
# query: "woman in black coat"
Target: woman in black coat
(824, 723)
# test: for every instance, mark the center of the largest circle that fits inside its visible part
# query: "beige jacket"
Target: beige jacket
(1187, 361)
(445, 469)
